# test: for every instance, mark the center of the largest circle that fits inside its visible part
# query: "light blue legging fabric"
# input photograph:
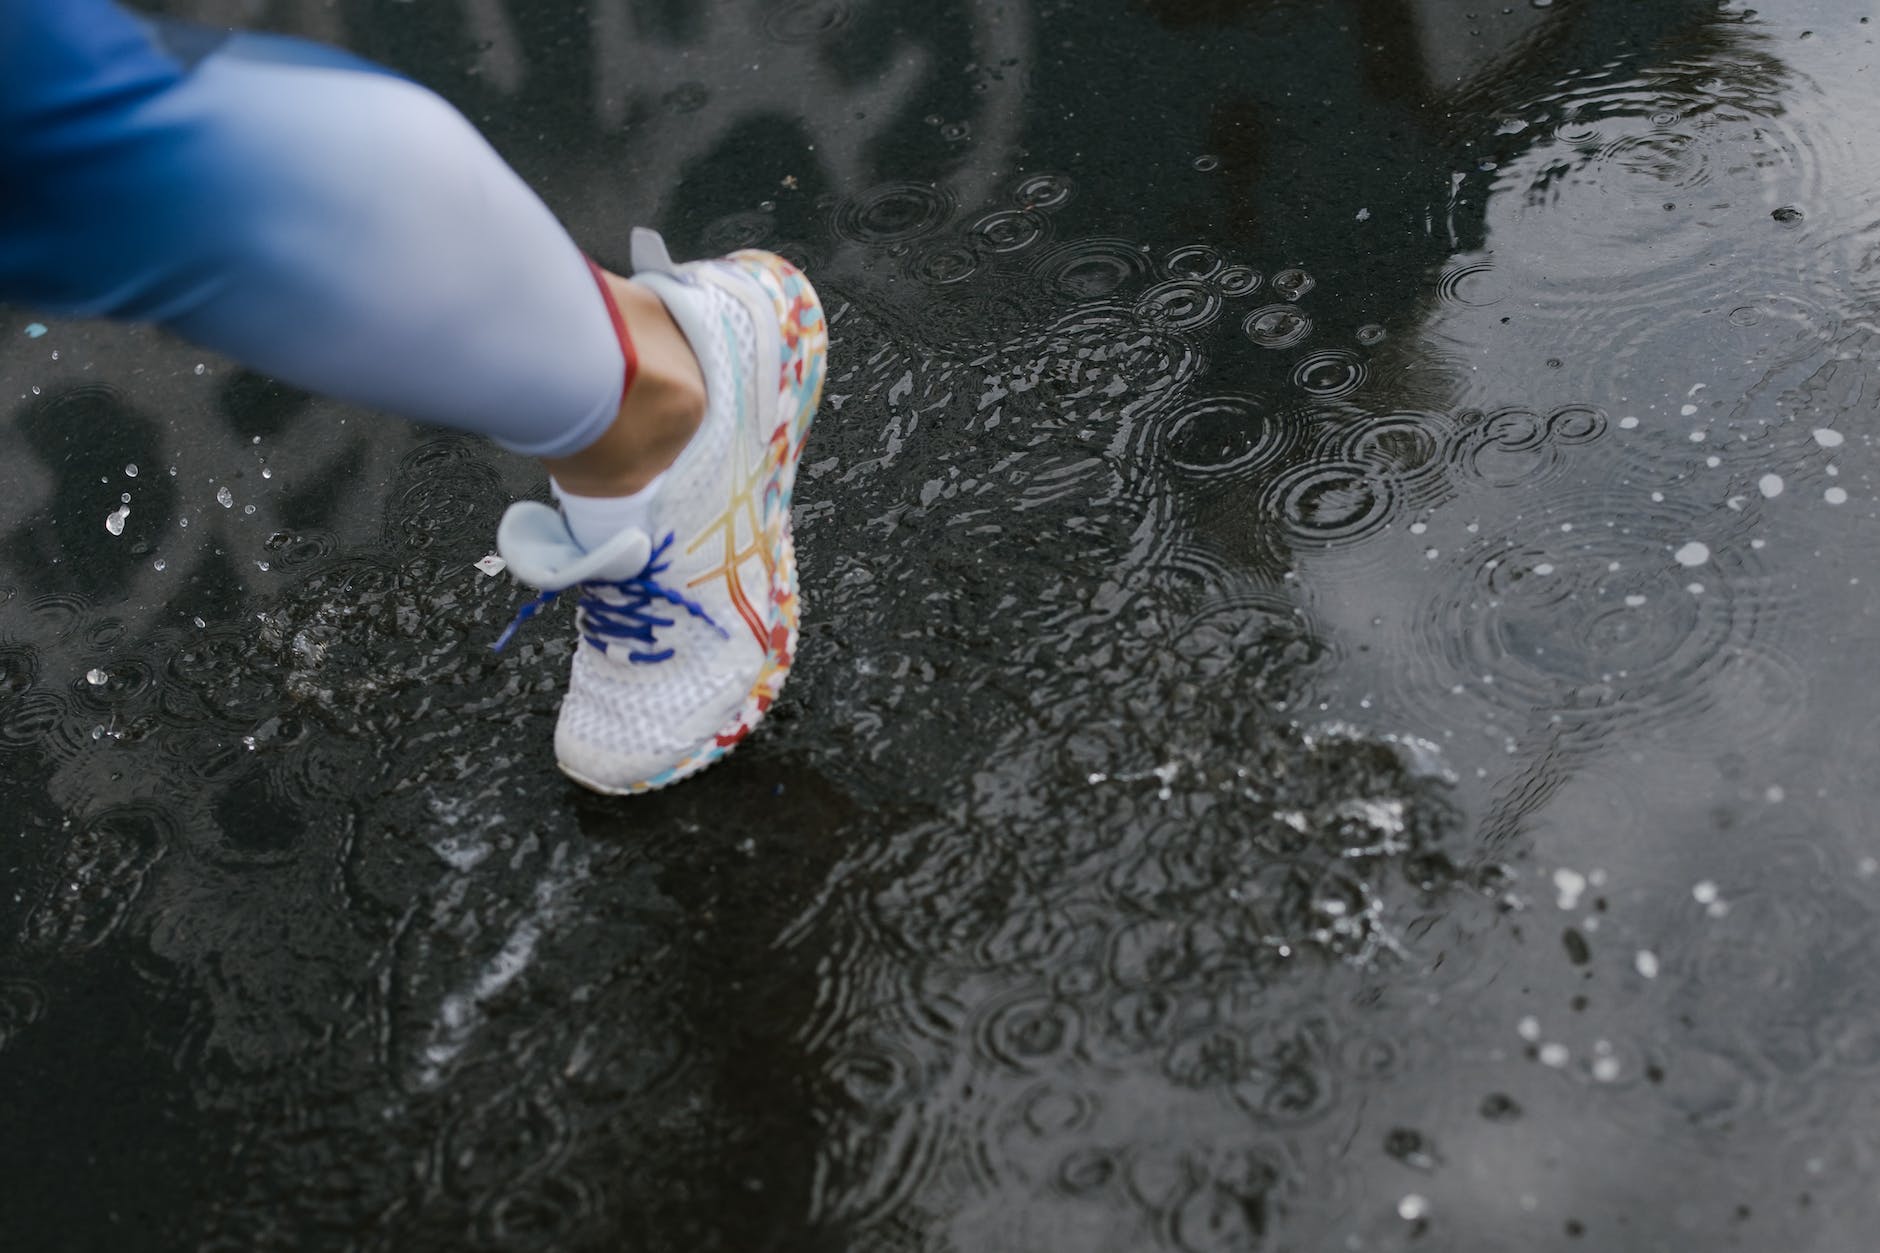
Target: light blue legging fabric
(305, 212)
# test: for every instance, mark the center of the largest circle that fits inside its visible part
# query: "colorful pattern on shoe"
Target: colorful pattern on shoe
(687, 633)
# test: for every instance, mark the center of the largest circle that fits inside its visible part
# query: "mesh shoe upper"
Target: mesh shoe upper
(639, 713)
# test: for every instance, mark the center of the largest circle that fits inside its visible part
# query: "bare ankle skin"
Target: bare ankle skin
(659, 414)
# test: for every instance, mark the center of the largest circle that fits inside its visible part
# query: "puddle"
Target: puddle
(1331, 712)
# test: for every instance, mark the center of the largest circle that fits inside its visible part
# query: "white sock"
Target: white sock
(593, 520)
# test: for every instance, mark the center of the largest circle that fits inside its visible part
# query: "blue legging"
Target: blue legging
(305, 212)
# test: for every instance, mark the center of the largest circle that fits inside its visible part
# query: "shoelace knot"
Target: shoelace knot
(621, 609)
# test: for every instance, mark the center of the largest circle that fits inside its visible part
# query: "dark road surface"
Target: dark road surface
(1335, 709)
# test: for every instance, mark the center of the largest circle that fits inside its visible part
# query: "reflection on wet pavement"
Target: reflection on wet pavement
(1331, 713)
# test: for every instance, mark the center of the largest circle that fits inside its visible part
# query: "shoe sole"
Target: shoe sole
(799, 390)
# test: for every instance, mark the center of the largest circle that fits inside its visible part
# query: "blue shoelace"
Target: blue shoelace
(629, 618)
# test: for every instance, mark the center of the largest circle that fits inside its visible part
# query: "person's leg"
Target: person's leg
(343, 229)
(331, 224)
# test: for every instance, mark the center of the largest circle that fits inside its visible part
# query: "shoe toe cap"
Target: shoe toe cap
(634, 732)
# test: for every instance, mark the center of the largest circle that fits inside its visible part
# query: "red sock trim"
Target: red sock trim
(627, 352)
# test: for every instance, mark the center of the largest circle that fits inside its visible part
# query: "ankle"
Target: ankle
(660, 412)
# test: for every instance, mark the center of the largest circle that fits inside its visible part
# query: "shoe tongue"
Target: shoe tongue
(535, 542)
(622, 557)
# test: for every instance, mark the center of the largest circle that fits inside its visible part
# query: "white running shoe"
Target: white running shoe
(688, 628)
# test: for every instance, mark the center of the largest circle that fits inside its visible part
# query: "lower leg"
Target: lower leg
(659, 413)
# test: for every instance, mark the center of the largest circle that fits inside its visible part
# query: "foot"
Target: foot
(688, 627)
